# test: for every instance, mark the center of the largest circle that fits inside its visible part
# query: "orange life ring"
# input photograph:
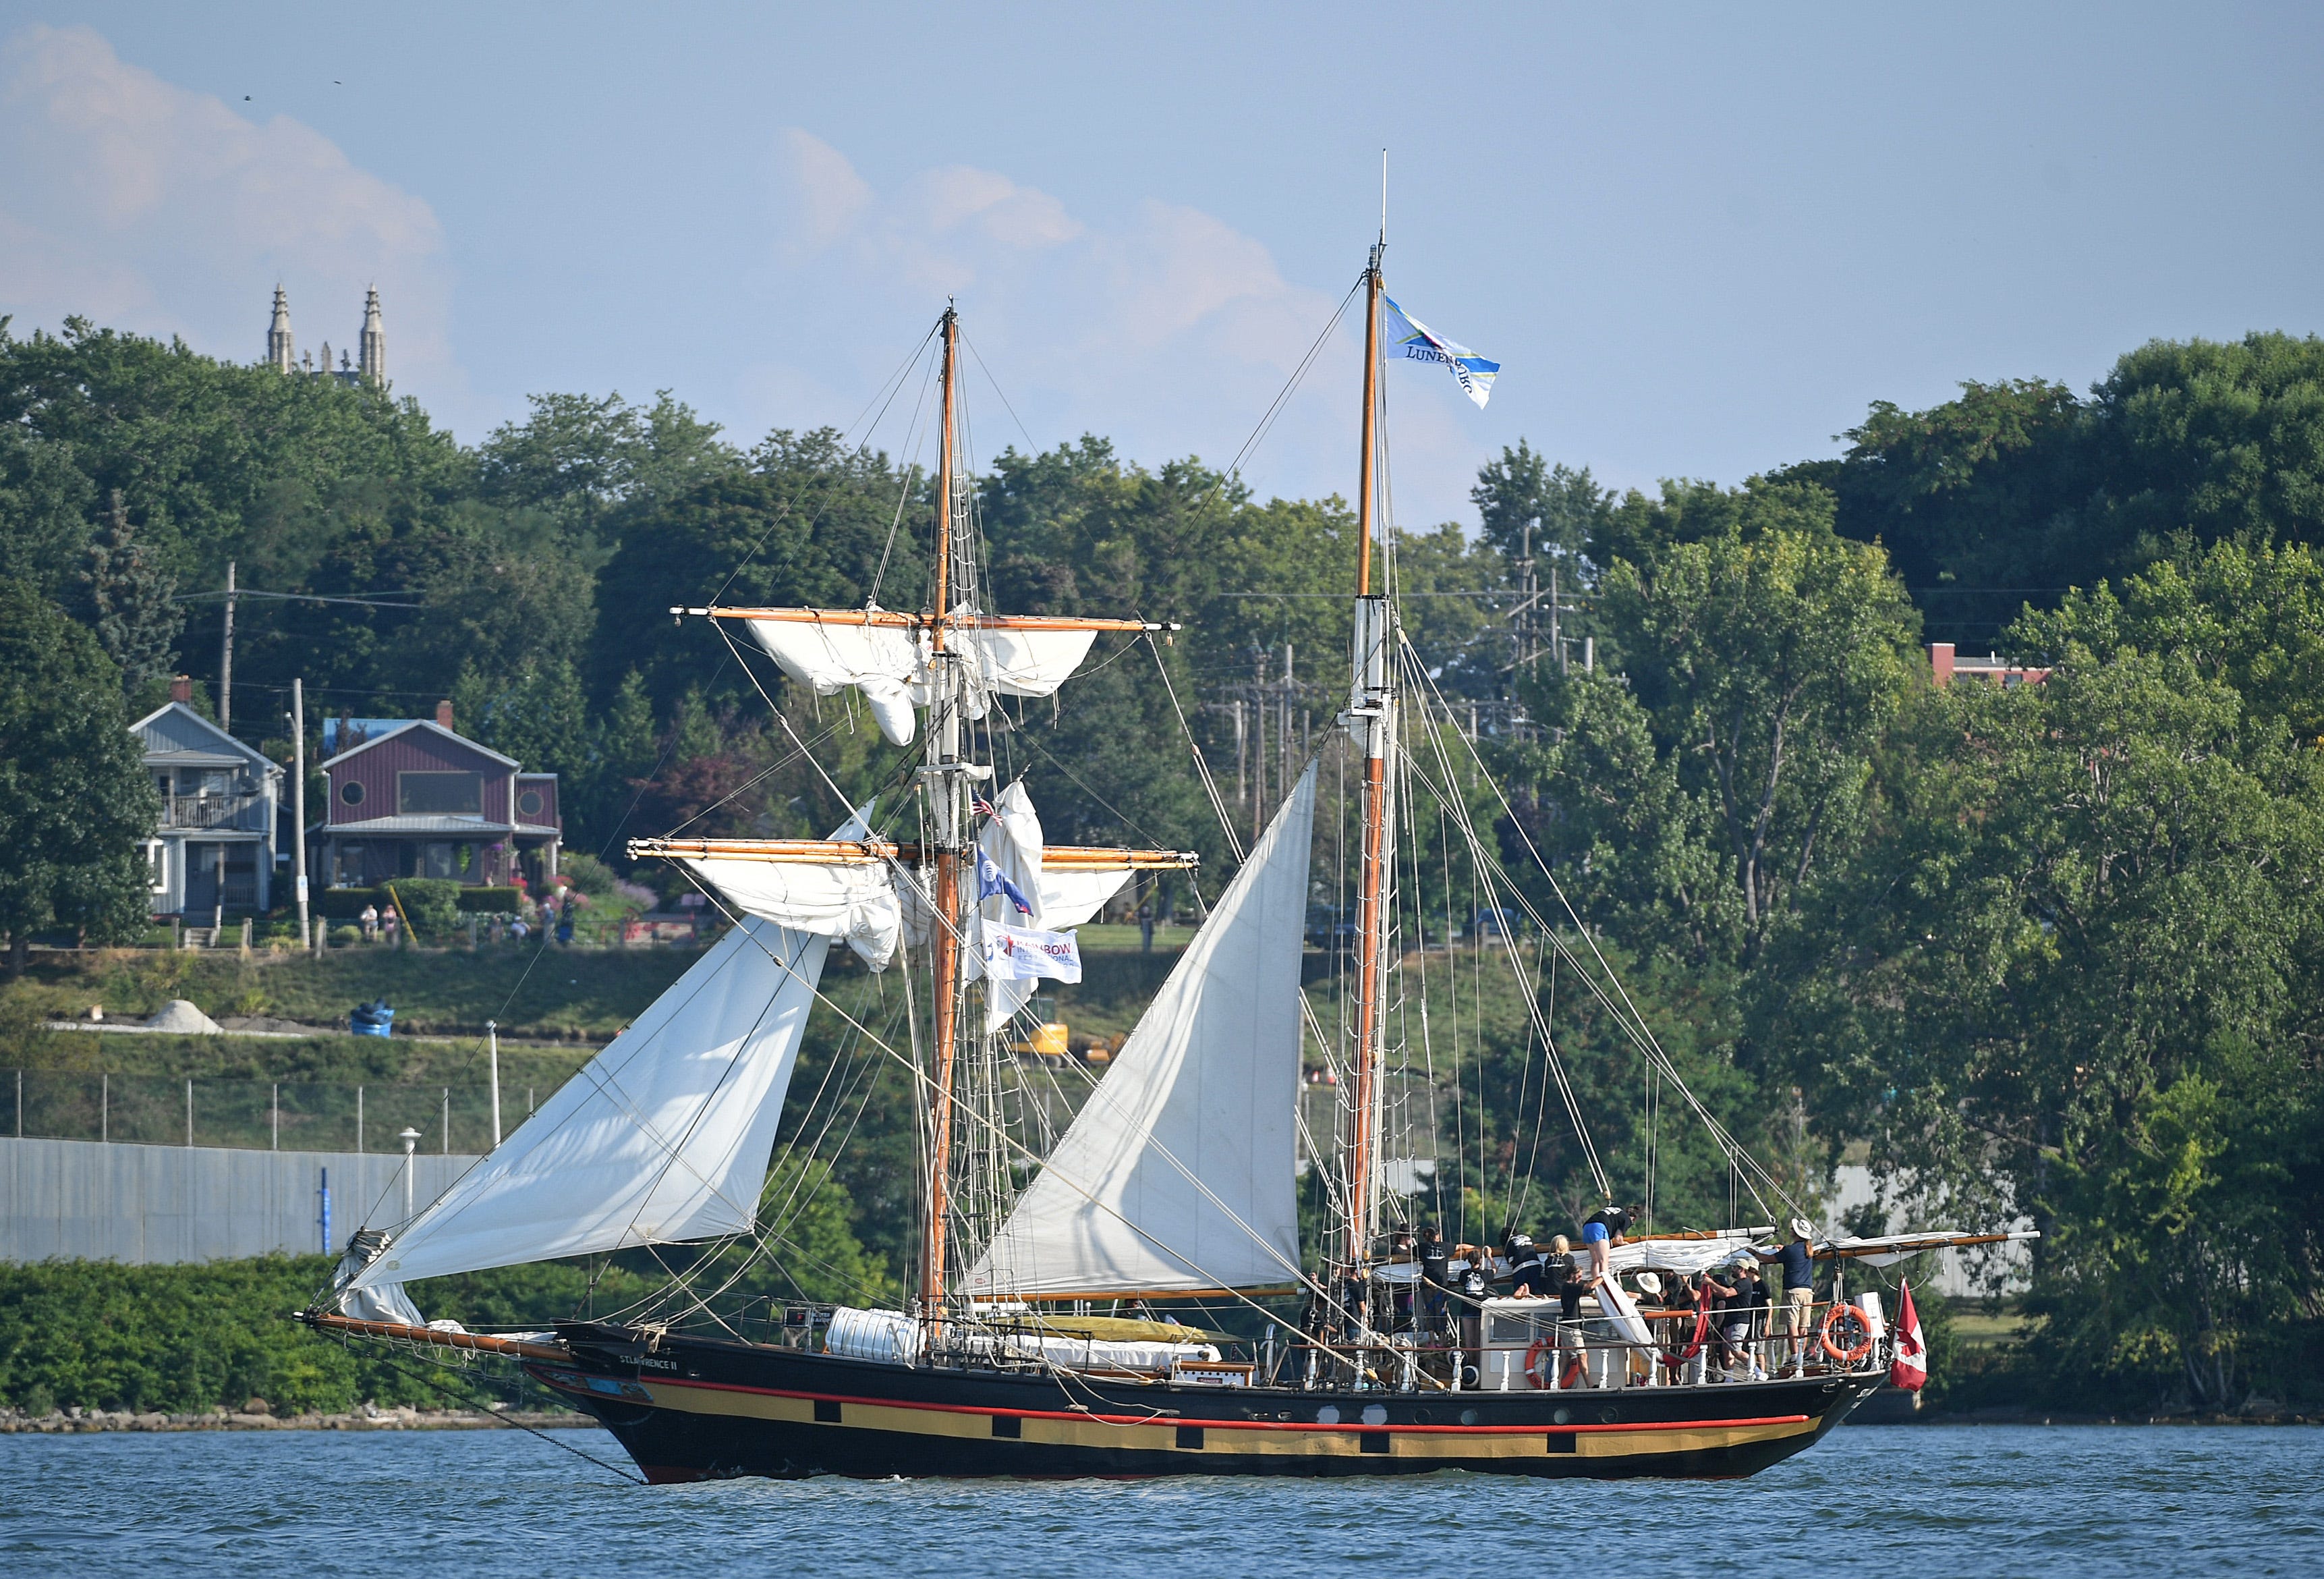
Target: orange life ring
(1859, 1326)
(1533, 1362)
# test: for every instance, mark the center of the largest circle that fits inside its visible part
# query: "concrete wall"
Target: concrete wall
(85, 1200)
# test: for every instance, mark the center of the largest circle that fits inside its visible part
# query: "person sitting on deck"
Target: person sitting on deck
(1527, 1277)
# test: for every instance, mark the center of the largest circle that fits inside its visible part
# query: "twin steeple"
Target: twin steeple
(281, 353)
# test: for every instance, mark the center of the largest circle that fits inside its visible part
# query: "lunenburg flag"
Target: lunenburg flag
(1910, 1370)
(1019, 954)
(1410, 338)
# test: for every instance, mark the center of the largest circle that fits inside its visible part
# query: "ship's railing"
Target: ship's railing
(1588, 1354)
(1554, 1356)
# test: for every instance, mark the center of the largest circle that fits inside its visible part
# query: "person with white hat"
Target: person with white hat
(1797, 1260)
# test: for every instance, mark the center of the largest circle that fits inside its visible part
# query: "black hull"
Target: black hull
(695, 1409)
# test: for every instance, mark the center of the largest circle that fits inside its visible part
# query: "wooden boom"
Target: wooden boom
(875, 852)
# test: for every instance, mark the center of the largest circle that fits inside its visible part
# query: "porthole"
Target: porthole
(1329, 1415)
(1467, 1417)
(352, 793)
(1375, 1414)
(1563, 1417)
(531, 802)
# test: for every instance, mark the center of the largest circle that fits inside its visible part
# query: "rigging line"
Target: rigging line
(1478, 855)
(498, 1419)
(1202, 764)
(783, 515)
(1007, 1140)
(995, 382)
(914, 437)
(1632, 1023)
(1283, 396)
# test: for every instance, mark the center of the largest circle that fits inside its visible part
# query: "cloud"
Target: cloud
(1162, 326)
(144, 206)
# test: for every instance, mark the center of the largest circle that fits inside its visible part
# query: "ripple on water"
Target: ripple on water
(2039, 1501)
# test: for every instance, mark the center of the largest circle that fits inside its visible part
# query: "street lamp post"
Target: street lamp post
(410, 1138)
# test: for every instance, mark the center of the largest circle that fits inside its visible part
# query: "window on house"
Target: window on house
(439, 794)
(352, 793)
(530, 801)
(157, 866)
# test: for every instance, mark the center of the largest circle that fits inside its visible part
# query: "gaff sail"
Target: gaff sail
(664, 1136)
(1177, 1173)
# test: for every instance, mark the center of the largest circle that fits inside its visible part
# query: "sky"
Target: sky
(1701, 239)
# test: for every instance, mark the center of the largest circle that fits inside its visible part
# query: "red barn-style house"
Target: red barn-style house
(413, 798)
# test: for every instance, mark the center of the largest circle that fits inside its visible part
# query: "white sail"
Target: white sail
(854, 903)
(1177, 1173)
(891, 665)
(664, 1136)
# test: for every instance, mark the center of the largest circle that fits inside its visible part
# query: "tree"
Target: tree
(136, 621)
(1712, 780)
(75, 801)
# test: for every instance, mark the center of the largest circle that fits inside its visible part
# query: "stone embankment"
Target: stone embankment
(63, 1422)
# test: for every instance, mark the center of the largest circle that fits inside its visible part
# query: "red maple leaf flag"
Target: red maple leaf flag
(1910, 1370)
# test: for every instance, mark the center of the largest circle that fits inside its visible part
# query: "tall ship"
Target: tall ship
(1043, 1332)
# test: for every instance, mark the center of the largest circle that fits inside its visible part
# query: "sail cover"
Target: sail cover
(1176, 1174)
(855, 902)
(662, 1137)
(891, 664)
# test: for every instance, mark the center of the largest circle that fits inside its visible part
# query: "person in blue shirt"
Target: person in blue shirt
(1798, 1260)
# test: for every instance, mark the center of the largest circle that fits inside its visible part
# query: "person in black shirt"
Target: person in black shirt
(1797, 1260)
(1601, 1231)
(1527, 1280)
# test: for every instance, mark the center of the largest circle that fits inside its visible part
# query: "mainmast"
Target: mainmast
(1372, 723)
(945, 771)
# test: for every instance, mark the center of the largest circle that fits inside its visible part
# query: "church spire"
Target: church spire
(373, 364)
(279, 353)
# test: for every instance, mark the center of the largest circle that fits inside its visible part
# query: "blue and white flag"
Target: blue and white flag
(1408, 337)
(991, 880)
(1022, 954)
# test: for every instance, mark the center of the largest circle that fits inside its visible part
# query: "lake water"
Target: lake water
(1902, 1503)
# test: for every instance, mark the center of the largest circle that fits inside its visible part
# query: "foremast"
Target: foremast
(946, 774)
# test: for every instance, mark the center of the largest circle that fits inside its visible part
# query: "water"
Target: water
(1901, 1502)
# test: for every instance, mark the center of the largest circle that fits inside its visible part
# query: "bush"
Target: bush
(504, 901)
(431, 904)
(345, 937)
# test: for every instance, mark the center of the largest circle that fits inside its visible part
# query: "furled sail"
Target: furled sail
(1177, 1173)
(889, 658)
(856, 903)
(662, 1137)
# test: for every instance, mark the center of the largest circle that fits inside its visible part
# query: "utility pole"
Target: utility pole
(225, 657)
(299, 803)
(1556, 642)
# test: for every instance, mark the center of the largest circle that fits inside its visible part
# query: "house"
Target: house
(214, 852)
(414, 798)
(1944, 663)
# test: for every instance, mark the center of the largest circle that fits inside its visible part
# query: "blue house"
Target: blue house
(214, 852)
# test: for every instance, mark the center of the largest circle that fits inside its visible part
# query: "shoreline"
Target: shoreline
(81, 1422)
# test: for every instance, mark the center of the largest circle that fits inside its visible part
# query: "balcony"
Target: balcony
(232, 813)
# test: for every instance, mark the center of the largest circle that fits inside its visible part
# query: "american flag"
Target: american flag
(985, 807)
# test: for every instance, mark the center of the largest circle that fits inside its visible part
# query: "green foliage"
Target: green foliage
(430, 904)
(187, 1338)
(74, 796)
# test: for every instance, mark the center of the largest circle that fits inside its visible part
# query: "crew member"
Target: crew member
(1798, 1261)
(1604, 1229)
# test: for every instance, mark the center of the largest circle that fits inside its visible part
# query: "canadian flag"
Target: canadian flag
(1910, 1370)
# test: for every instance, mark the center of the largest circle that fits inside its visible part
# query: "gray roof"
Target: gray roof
(439, 823)
(175, 735)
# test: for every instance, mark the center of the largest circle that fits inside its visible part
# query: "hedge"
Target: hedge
(345, 904)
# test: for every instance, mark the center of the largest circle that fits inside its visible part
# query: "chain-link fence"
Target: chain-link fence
(256, 1114)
